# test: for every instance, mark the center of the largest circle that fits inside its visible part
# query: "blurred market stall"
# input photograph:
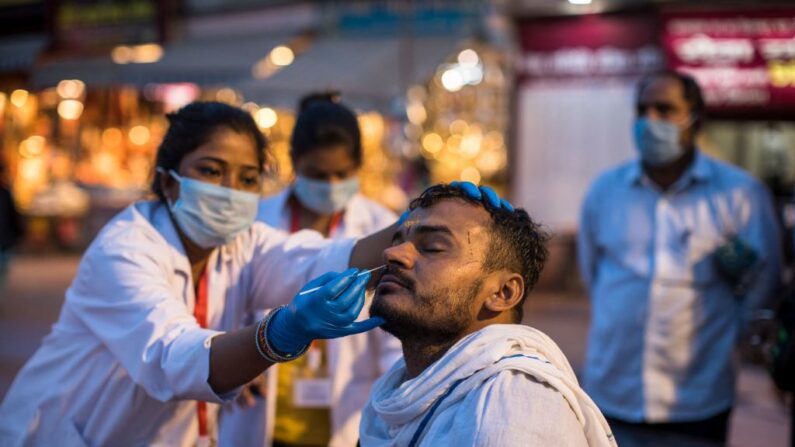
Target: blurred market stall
(81, 128)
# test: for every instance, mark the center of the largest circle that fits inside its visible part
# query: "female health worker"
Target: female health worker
(326, 153)
(151, 334)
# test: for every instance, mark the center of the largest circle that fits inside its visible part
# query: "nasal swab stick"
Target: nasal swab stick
(315, 289)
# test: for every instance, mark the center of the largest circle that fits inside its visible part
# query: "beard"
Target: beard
(435, 316)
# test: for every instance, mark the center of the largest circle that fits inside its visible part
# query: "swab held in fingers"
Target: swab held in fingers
(315, 289)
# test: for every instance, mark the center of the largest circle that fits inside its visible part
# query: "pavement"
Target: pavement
(31, 299)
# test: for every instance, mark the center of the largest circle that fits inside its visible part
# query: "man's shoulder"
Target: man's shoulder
(511, 388)
(521, 382)
(545, 414)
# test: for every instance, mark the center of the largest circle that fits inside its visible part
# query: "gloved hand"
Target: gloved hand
(483, 194)
(735, 261)
(329, 312)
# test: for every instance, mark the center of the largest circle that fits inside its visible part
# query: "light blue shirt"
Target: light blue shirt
(663, 321)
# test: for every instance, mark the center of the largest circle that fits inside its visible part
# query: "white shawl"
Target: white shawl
(450, 387)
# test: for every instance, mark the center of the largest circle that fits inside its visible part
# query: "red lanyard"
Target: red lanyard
(295, 219)
(200, 312)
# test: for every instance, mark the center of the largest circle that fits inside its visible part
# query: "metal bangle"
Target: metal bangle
(264, 347)
(257, 344)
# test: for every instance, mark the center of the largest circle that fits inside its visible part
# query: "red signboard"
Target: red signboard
(591, 46)
(743, 60)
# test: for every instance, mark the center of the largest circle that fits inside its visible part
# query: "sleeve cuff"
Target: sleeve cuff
(191, 378)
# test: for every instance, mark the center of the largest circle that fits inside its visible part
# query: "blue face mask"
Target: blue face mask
(657, 141)
(212, 215)
(325, 197)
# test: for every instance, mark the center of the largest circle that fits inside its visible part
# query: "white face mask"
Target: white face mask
(658, 141)
(211, 215)
(325, 197)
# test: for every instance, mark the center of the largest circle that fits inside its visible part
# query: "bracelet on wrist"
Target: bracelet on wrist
(265, 349)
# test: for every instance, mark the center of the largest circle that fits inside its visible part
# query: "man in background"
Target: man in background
(678, 250)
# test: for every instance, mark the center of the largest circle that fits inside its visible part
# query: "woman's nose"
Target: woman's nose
(232, 181)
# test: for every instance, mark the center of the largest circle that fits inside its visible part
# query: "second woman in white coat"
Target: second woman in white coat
(319, 401)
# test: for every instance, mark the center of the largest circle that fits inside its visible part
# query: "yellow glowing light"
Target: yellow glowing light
(122, 54)
(32, 170)
(452, 81)
(71, 88)
(147, 53)
(372, 126)
(468, 58)
(36, 144)
(266, 117)
(458, 127)
(416, 113)
(470, 174)
(31, 147)
(432, 142)
(19, 97)
(226, 95)
(282, 56)
(453, 143)
(139, 135)
(138, 54)
(494, 140)
(104, 163)
(70, 109)
(111, 136)
(490, 162)
(470, 145)
(3, 98)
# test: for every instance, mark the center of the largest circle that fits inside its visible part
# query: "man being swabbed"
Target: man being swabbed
(458, 273)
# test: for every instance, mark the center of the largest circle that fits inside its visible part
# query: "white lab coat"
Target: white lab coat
(355, 362)
(126, 360)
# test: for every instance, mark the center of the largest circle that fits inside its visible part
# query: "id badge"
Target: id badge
(312, 393)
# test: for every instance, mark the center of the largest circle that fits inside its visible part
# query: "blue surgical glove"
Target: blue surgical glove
(329, 312)
(483, 194)
(403, 217)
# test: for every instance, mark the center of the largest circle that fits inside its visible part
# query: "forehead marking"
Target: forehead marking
(408, 223)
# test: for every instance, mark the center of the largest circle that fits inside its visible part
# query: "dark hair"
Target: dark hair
(324, 122)
(517, 242)
(691, 90)
(193, 125)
